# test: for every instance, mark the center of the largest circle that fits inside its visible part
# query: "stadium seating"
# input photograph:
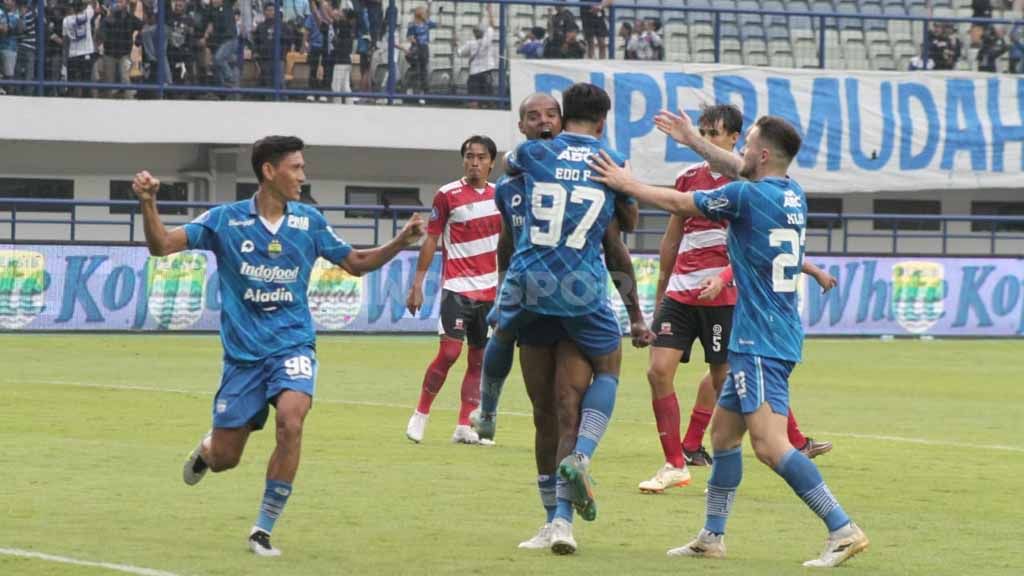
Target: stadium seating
(751, 39)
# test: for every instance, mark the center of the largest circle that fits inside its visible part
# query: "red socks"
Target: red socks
(699, 420)
(666, 414)
(793, 430)
(447, 354)
(471, 385)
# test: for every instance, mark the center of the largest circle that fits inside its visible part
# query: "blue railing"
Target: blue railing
(40, 79)
(836, 235)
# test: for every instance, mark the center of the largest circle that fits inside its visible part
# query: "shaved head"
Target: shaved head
(538, 99)
(540, 116)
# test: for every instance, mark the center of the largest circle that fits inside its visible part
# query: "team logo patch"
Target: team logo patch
(918, 294)
(175, 286)
(717, 203)
(459, 324)
(666, 329)
(335, 296)
(274, 249)
(22, 287)
(247, 247)
(433, 214)
(222, 406)
(298, 222)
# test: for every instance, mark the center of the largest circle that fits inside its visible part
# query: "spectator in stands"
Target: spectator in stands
(54, 45)
(647, 44)
(295, 13)
(222, 38)
(116, 35)
(81, 50)
(25, 64)
(1017, 49)
(418, 54)
(375, 19)
(981, 8)
(992, 47)
(531, 42)
(653, 28)
(943, 46)
(181, 31)
(344, 37)
(263, 40)
(371, 52)
(9, 19)
(629, 41)
(595, 28)
(147, 40)
(561, 24)
(483, 57)
(316, 44)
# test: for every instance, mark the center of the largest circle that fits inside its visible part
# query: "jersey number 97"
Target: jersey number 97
(554, 214)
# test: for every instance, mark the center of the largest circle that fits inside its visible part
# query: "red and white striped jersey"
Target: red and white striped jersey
(702, 252)
(469, 224)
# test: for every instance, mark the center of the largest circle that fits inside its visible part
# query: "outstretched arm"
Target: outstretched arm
(824, 279)
(621, 178)
(158, 239)
(359, 262)
(680, 128)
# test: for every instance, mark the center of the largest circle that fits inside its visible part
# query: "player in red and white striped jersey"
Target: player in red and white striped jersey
(466, 223)
(695, 301)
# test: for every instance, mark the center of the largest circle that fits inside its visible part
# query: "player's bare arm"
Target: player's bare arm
(621, 178)
(506, 246)
(680, 128)
(158, 239)
(627, 214)
(359, 262)
(620, 266)
(668, 249)
(414, 300)
(824, 279)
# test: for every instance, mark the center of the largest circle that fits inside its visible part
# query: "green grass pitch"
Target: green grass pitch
(929, 458)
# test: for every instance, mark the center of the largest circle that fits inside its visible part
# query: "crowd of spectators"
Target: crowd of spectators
(339, 46)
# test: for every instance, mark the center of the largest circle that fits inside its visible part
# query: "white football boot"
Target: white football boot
(540, 541)
(465, 435)
(841, 545)
(668, 476)
(416, 427)
(259, 543)
(562, 542)
(706, 545)
(195, 468)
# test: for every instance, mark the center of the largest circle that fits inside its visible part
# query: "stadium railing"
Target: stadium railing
(826, 34)
(380, 223)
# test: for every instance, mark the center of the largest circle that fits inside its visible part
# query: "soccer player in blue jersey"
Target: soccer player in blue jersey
(543, 343)
(265, 248)
(767, 215)
(557, 271)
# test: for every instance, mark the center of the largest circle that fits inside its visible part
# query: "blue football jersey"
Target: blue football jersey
(557, 264)
(767, 227)
(509, 197)
(264, 276)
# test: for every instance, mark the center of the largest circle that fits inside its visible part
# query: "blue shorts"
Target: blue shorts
(247, 390)
(596, 333)
(754, 380)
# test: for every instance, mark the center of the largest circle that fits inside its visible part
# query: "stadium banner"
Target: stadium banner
(863, 131)
(124, 288)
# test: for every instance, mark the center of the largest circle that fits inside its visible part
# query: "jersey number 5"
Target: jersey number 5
(554, 215)
(791, 259)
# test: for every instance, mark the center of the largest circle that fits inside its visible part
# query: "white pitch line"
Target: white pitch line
(65, 560)
(877, 437)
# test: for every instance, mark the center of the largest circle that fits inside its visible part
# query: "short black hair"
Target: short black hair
(272, 149)
(779, 134)
(585, 102)
(484, 141)
(729, 114)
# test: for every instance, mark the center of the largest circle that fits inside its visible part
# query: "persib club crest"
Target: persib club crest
(22, 284)
(175, 285)
(335, 296)
(918, 293)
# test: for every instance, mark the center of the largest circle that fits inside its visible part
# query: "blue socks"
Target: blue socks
(275, 496)
(546, 485)
(563, 509)
(726, 473)
(804, 478)
(596, 411)
(497, 365)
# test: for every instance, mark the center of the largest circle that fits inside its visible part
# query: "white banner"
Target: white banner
(862, 131)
